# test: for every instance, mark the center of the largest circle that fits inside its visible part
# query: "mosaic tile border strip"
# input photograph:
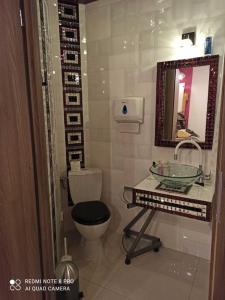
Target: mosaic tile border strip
(73, 119)
(70, 56)
(75, 154)
(72, 99)
(177, 205)
(71, 76)
(68, 12)
(213, 62)
(74, 138)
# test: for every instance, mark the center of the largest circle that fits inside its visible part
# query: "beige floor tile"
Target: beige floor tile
(197, 294)
(100, 270)
(89, 289)
(106, 294)
(174, 264)
(95, 292)
(97, 273)
(201, 283)
(166, 275)
(136, 283)
(161, 287)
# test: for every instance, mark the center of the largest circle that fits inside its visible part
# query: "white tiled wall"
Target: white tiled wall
(125, 40)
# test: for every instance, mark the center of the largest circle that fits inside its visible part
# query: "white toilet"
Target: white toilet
(90, 215)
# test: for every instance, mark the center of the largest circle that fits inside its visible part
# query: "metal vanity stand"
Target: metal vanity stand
(197, 204)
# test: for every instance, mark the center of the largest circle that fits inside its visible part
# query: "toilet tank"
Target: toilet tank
(85, 184)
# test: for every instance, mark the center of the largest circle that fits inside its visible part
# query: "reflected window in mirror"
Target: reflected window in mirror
(186, 99)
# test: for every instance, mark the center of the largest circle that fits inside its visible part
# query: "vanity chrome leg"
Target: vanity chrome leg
(134, 221)
(155, 242)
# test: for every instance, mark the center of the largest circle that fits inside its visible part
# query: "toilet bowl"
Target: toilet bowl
(90, 216)
(91, 219)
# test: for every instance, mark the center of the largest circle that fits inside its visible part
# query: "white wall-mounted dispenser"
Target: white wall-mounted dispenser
(129, 113)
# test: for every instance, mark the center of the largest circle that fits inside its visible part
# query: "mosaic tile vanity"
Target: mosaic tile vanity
(197, 203)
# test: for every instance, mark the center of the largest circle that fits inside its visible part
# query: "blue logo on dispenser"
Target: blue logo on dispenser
(124, 110)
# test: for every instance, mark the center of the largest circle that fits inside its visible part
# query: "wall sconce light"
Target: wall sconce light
(188, 39)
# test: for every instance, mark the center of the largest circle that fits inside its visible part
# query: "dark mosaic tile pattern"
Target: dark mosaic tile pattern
(71, 74)
(72, 86)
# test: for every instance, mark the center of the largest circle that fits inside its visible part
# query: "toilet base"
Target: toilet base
(92, 249)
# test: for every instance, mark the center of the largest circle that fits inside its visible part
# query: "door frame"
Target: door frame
(217, 267)
(37, 120)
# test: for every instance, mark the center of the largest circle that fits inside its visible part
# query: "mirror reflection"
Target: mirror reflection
(186, 99)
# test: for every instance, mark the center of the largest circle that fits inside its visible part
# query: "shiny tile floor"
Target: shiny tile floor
(166, 275)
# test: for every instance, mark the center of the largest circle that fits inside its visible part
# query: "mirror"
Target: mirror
(186, 98)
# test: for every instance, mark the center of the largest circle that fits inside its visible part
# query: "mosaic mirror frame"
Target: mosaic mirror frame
(162, 67)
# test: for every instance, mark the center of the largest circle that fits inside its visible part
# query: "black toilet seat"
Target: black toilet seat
(90, 213)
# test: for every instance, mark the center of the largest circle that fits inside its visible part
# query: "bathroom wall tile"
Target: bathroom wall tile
(98, 85)
(135, 170)
(199, 249)
(200, 9)
(100, 64)
(181, 10)
(116, 84)
(132, 151)
(101, 18)
(165, 38)
(105, 46)
(121, 215)
(118, 11)
(186, 235)
(116, 182)
(123, 61)
(164, 54)
(118, 28)
(100, 134)
(146, 5)
(132, 24)
(147, 59)
(117, 45)
(132, 7)
(100, 155)
(216, 10)
(99, 114)
(106, 187)
(166, 227)
(92, 48)
(117, 162)
(147, 39)
(138, 82)
(124, 43)
(195, 237)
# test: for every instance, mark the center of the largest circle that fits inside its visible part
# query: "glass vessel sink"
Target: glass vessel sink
(174, 175)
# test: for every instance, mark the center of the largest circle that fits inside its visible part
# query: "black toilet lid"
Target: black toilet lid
(90, 213)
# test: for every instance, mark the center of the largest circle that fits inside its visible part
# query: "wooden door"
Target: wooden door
(24, 207)
(217, 273)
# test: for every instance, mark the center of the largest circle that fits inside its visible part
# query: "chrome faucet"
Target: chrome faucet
(192, 141)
